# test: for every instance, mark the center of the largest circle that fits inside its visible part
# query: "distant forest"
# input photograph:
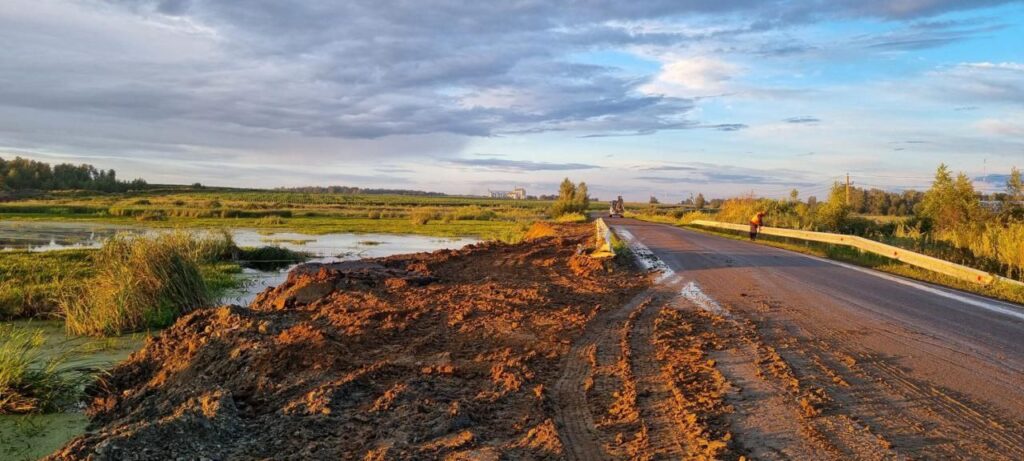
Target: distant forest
(23, 174)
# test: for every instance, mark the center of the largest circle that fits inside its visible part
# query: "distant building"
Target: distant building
(518, 193)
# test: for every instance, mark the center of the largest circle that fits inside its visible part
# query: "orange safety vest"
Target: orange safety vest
(756, 220)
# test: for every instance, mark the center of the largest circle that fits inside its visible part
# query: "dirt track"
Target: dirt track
(535, 351)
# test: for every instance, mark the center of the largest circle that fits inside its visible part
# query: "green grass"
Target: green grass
(30, 281)
(30, 382)
(572, 218)
(312, 213)
(1002, 291)
(269, 257)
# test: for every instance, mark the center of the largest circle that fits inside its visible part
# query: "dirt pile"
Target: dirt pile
(447, 355)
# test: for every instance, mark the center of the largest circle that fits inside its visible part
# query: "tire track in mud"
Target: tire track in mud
(654, 395)
(870, 397)
(597, 348)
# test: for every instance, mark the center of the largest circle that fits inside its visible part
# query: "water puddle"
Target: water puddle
(327, 248)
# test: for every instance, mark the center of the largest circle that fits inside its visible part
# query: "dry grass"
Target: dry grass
(143, 282)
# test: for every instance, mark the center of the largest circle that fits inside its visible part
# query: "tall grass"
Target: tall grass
(30, 382)
(143, 282)
(571, 218)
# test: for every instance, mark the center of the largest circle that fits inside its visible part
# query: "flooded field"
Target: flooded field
(51, 236)
(328, 248)
(32, 436)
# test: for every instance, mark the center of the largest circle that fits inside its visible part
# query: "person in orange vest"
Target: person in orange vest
(756, 222)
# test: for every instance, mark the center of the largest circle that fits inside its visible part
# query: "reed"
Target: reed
(30, 381)
(143, 282)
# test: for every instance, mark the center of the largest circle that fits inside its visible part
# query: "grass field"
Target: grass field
(313, 213)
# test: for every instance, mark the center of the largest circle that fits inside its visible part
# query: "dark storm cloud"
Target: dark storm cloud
(520, 165)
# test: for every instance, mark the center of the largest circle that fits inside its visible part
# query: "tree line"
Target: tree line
(24, 174)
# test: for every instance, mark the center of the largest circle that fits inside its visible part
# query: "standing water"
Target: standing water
(327, 248)
(50, 236)
(33, 436)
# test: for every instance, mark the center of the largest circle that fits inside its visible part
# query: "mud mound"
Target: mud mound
(540, 229)
(446, 355)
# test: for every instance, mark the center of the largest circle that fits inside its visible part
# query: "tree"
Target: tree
(950, 204)
(654, 200)
(572, 198)
(878, 202)
(581, 197)
(699, 202)
(22, 173)
(794, 195)
(833, 214)
(1014, 186)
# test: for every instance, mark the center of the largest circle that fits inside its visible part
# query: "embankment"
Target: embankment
(423, 356)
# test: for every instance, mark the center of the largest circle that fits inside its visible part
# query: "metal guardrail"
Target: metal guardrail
(604, 240)
(906, 256)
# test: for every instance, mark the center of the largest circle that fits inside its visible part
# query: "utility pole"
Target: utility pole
(847, 189)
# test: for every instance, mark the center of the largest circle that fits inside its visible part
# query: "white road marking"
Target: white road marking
(693, 293)
(987, 304)
(645, 257)
(990, 305)
(649, 261)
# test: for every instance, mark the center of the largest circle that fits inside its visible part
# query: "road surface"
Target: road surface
(902, 368)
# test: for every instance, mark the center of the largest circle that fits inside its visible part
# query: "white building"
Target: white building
(518, 193)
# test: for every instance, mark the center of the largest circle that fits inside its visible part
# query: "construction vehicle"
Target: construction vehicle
(617, 209)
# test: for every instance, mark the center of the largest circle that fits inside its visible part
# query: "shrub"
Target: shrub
(270, 257)
(373, 214)
(142, 282)
(422, 217)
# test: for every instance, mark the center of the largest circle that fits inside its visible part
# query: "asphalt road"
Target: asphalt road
(947, 343)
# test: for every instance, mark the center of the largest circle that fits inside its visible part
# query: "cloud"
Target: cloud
(972, 82)
(700, 173)
(802, 119)
(316, 82)
(668, 168)
(693, 76)
(520, 165)
(1003, 127)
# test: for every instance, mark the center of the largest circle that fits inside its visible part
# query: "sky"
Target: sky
(660, 97)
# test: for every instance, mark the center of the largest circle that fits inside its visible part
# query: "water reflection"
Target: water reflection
(47, 236)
